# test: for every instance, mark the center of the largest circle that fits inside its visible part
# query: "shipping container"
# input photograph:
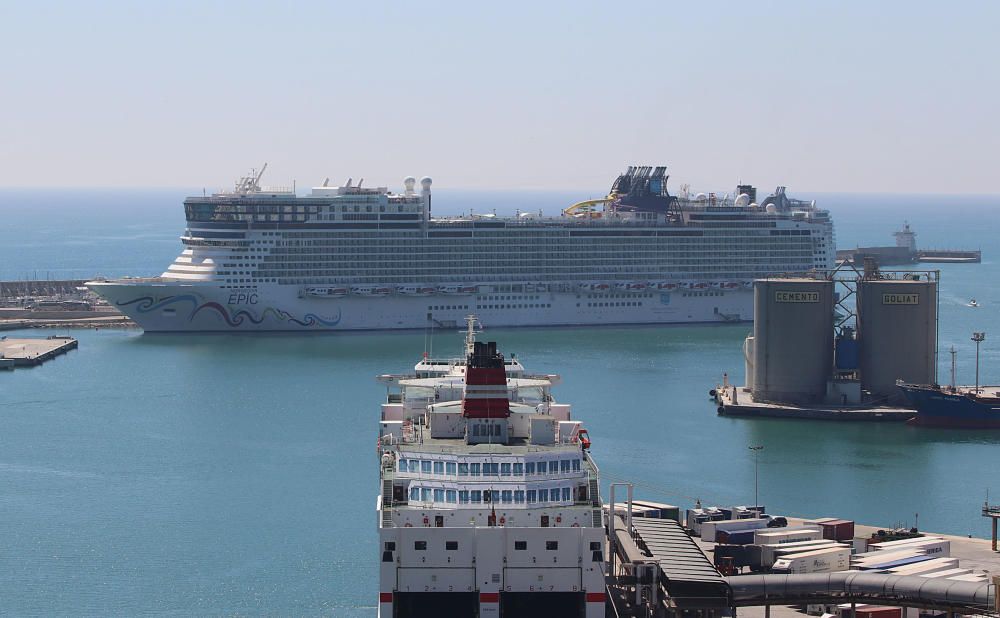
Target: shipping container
(932, 546)
(887, 566)
(970, 577)
(838, 529)
(663, 511)
(927, 566)
(710, 528)
(792, 534)
(885, 545)
(946, 574)
(871, 611)
(735, 537)
(738, 553)
(826, 560)
(770, 553)
(696, 517)
(884, 556)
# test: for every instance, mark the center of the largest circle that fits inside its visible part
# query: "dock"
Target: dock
(31, 352)
(737, 401)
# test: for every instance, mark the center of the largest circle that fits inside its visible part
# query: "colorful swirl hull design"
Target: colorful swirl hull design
(233, 317)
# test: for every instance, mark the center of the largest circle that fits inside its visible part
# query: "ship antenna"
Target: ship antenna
(470, 333)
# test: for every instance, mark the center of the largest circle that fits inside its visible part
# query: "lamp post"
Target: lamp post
(756, 451)
(978, 338)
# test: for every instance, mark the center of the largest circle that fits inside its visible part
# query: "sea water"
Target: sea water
(233, 474)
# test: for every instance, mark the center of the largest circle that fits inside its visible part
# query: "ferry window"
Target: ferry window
(463, 469)
(529, 467)
(492, 469)
(504, 468)
(425, 466)
(425, 494)
(553, 467)
(507, 496)
(477, 496)
(518, 496)
(564, 465)
(438, 495)
(565, 494)
(390, 546)
(552, 545)
(450, 496)
(531, 495)
(402, 465)
(414, 493)
(576, 465)
(595, 546)
(450, 467)
(494, 495)
(451, 545)
(474, 469)
(463, 497)
(518, 469)
(520, 545)
(543, 495)
(438, 467)
(420, 545)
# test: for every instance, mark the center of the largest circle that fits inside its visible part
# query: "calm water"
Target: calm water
(234, 474)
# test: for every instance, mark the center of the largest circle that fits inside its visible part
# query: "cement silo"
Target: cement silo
(897, 331)
(792, 340)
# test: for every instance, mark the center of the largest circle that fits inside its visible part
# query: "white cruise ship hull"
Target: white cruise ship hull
(172, 306)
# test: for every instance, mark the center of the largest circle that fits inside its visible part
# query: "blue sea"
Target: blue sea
(237, 474)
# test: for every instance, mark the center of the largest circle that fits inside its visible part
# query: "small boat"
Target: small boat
(631, 286)
(595, 287)
(973, 303)
(458, 290)
(730, 285)
(666, 286)
(370, 290)
(699, 285)
(415, 290)
(324, 292)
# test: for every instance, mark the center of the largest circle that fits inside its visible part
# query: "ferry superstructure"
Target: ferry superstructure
(353, 257)
(489, 502)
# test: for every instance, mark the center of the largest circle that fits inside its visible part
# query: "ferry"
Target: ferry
(489, 501)
(354, 257)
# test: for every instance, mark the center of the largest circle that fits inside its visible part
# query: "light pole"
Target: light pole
(756, 451)
(978, 338)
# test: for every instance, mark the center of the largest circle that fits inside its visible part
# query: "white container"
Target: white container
(780, 536)
(827, 560)
(770, 553)
(709, 528)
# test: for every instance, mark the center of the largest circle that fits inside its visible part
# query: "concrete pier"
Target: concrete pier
(736, 401)
(30, 352)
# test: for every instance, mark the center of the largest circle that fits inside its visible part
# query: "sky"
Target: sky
(820, 96)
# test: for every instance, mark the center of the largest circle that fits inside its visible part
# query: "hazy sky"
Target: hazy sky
(821, 96)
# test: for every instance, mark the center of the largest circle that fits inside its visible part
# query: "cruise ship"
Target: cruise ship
(489, 501)
(355, 258)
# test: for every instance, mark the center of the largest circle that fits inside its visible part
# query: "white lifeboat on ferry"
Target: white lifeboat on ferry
(455, 290)
(667, 286)
(415, 290)
(730, 285)
(598, 287)
(631, 286)
(318, 291)
(370, 290)
(747, 283)
(699, 285)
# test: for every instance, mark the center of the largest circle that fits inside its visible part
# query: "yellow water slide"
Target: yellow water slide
(588, 208)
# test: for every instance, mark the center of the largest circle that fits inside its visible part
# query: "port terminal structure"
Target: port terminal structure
(832, 345)
(657, 570)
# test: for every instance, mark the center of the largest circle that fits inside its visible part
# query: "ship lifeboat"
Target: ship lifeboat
(631, 286)
(667, 286)
(370, 290)
(748, 284)
(598, 287)
(455, 290)
(415, 290)
(730, 285)
(325, 292)
(699, 285)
